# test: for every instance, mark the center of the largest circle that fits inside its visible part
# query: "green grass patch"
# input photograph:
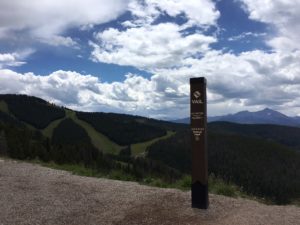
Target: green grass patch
(81, 170)
(156, 182)
(220, 187)
(100, 141)
(48, 131)
(4, 107)
(74, 169)
(139, 149)
(215, 185)
(120, 175)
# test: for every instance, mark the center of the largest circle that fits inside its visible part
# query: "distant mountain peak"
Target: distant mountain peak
(267, 110)
(264, 116)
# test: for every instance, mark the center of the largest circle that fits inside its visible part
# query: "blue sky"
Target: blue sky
(136, 56)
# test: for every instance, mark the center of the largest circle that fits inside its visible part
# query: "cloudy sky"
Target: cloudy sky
(136, 56)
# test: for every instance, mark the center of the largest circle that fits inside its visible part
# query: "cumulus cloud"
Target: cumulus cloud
(250, 80)
(283, 15)
(47, 18)
(85, 92)
(60, 41)
(198, 12)
(136, 94)
(149, 47)
(7, 59)
(14, 59)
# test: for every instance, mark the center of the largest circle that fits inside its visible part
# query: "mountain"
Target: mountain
(297, 119)
(262, 159)
(183, 120)
(285, 135)
(110, 143)
(265, 116)
(262, 164)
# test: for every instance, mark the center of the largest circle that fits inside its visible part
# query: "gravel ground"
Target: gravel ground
(32, 195)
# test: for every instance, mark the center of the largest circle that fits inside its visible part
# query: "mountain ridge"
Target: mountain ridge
(36, 129)
(265, 116)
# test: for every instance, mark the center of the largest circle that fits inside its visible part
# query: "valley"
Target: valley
(261, 160)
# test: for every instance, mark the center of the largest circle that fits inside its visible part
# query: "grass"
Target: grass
(216, 185)
(220, 187)
(81, 170)
(139, 149)
(48, 131)
(73, 168)
(100, 141)
(4, 107)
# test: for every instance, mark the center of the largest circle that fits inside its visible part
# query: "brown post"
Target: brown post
(199, 143)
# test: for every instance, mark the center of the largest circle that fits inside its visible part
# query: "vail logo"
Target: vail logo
(197, 95)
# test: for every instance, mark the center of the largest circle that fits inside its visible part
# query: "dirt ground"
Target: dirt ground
(32, 195)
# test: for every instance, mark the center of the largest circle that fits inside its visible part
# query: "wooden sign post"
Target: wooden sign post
(199, 143)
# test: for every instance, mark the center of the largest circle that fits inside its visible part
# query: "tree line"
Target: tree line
(71, 145)
(122, 129)
(32, 110)
(260, 167)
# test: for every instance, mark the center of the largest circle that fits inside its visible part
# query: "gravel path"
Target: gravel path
(31, 195)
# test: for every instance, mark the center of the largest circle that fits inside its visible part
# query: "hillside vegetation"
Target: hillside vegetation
(69, 140)
(34, 111)
(261, 160)
(122, 129)
(289, 136)
(260, 167)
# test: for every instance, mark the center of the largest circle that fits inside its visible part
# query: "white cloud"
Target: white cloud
(246, 35)
(6, 57)
(135, 95)
(251, 80)
(48, 18)
(84, 92)
(198, 12)
(14, 59)
(283, 15)
(150, 47)
(60, 41)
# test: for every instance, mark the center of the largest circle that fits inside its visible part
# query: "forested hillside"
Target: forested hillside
(262, 160)
(123, 129)
(289, 136)
(32, 110)
(70, 143)
(261, 167)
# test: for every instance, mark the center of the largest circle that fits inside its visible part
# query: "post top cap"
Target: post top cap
(201, 80)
